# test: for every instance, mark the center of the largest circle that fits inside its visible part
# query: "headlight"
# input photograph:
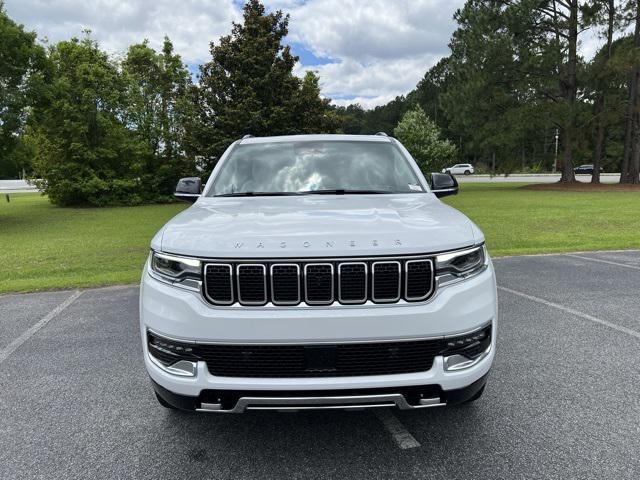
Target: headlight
(462, 263)
(180, 271)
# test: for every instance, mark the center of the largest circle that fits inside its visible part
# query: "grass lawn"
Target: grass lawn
(517, 221)
(46, 247)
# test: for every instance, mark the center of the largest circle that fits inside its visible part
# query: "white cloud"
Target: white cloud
(376, 29)
(377, 49)
(191, 24)
(374, 83)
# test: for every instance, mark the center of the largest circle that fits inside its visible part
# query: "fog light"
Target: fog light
(173, 357)
(465, 351)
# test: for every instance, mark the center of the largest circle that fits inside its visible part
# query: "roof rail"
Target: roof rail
(248, 135)
(382, 134)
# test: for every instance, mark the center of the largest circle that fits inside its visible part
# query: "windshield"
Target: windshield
(322, 167)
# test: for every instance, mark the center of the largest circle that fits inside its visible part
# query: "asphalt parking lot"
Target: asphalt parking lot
(563, 400)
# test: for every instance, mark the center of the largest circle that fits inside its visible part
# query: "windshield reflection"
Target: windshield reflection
(294, 167)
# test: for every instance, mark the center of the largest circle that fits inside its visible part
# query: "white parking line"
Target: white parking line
(634, 267)
(34, 328)
(572, 311)
(400, 435)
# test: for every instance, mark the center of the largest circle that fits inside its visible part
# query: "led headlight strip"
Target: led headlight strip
(175, 270)
(462, 263)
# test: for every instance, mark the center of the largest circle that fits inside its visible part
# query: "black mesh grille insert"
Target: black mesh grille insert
(285, 281)
(386, 281)
(218, 280)
(353, 282)
(419, 279)
(284, 361)
(322, 360)
(319, 283)
(251, 284)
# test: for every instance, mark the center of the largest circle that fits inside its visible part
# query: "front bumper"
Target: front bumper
(184, 315)
(404, 398)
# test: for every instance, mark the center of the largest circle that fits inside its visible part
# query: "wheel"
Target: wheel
(467, 172)
(164, 403)
(475, 397)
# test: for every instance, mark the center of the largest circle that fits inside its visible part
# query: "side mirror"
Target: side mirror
(188, 189)
(443, 184)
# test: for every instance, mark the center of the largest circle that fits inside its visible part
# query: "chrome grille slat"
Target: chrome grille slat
(352, 282)
(319, 282)
(285, 283)
(385, 281)
(252, 283)
(219, 280)
(417, 280)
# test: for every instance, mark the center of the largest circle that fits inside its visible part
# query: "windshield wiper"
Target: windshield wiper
(342, 191)
(256, 194)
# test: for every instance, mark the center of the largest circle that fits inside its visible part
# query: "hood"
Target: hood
(316, 225)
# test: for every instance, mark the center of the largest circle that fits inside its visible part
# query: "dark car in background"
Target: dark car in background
(585, 169)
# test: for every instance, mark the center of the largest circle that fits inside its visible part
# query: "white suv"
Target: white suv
(317, 271)
(459, 169)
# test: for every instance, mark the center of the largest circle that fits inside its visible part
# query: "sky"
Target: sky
(365, 51)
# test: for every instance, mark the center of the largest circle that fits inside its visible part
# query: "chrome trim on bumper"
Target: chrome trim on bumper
(182, 368)
(350, 402)
(454, 363)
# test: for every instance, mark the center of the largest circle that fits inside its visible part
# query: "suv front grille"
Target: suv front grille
(348, 281)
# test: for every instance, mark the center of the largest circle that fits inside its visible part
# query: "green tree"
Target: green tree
(384, 118)
(313, 113)
(22, 71)
(421, 136)
(350, 118)
(84, 153)
(483, 98)
(597, 13)
(248, 86)
(630, 166)
(158, 110)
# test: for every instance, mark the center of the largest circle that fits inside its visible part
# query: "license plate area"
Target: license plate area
(320, 358)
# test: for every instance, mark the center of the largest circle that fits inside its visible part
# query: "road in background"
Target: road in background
(563, 400)
(541, 178)
(16, 186)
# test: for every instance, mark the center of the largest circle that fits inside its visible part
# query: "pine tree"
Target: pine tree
(248, 87)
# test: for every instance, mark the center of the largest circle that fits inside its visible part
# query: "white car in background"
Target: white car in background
(459, 169)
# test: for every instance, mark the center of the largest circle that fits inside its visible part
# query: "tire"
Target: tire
(467, 172)
(164, 403)
(475, 397)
